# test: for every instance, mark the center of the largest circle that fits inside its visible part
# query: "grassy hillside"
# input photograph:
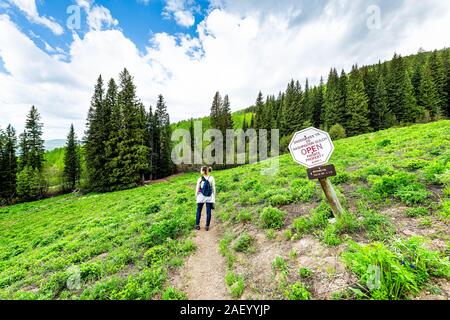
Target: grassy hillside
(277, 237)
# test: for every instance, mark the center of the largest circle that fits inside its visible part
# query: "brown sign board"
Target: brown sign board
(321, 172)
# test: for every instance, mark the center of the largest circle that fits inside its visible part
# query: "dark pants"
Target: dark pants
(208, 213)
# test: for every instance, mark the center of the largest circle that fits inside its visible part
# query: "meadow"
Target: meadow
(278, 236)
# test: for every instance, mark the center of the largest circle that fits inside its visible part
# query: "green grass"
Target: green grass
(122, 245)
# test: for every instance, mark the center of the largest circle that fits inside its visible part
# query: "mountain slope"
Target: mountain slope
(132, 244)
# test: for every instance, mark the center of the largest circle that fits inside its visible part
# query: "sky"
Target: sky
(52, 51)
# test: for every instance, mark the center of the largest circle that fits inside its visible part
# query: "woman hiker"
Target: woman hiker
(205, 193)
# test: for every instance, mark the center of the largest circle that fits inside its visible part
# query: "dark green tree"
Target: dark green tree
(379, 114)
(357, 105)
(72, 160)
(428, 95)
(165, 166)
(32, 143)
(8, 163)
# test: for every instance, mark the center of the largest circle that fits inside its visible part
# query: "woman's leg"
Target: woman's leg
(208, 214)
(199, 213)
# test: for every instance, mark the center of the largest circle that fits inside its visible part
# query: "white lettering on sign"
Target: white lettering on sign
(311, 147)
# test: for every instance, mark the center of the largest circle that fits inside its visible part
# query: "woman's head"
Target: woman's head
(204, 171)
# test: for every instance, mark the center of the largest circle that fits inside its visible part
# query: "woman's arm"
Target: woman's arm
(197, 187)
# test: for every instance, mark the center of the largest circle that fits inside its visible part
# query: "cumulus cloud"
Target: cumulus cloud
(28, 7)
(240, 47)
(98, 17)
(182, 11)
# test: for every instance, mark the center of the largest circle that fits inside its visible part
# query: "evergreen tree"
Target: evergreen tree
(318, 105)
(133, 152)
(96, 157)
(8, 163)
(215, 111)
(428, 95)
(225, 114)
(259, 110)
(402, 102)
(357, 105)
(293, 108)
(165, 167)
(332, 100)
(379, 108)
(447, 68)
(153, 138)
(72, 163)
(31, 141)
(437, 68)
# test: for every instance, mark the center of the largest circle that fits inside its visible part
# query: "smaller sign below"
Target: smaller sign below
(322, 172)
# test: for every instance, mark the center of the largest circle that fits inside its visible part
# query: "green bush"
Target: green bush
(155, 255)
(387, 185)
(305, 273)
(433, 171)
(412, 194)
(397, 271)
(90, 271)
(330, 236)
(244, 243)
(235, 284)
(154, 207)
(303, 190)
(171, 293)
(281, 199)
(301, 225)
(337, 132)
(272, 218)
(244, 216)
(417, 212)
(297, 291)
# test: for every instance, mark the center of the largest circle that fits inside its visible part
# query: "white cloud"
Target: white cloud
(182, 12)
(29, 8)
(98, 17)
(239, 49)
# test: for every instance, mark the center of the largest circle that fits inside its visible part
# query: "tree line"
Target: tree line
(370, 98)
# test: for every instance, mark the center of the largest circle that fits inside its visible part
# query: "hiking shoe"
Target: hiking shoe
(197, 228)
(207, 228)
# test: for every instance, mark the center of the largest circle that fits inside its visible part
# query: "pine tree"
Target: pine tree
(96, 157)
(165, 167)
(293, 108)
(226, 118)
(72, 163)
(318, 105)
(259, 110)
(379, 108)
(215, 111)
(357, 105)
(8, 163)
(402, 102)
(428, 95)
(153, 138)
(332, 100)
(31, 141)
(447, 68)
(437, 68)
(133, 152)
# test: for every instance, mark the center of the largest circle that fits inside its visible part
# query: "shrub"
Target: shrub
(387, 185)
(279, 264)
(301, 225)
(417, 212)
(347, 222)
(412, 194)
(172, 293)
(304, 190)
(154, 207)
(90, 271)
(330, 236)
(297, 291)
(305, 272)
(155, 255)
(416, 164)
(280, 199)
(244, 216)
(244, 243)
(384, 143)
(337, 132)
(432, 172)
(341, 178)
(235, 284)
(403, 268)
(273, 218)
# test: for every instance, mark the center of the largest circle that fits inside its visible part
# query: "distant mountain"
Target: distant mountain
(53, 144)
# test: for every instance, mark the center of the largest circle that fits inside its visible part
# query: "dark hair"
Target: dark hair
(205, 170)
(210, 169)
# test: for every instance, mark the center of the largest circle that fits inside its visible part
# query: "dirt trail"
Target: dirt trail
(202, 277)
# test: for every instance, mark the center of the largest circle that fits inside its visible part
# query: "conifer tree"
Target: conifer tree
(379, 108)
(226, 117)
(165, 167)
(428, 95)
(96, 160)
(8, 163)
(332, 100)
(357, 105)
(437, 68)
(215, 111)
(318, 105)
(32, 142)
(259, 110)
(72, 162)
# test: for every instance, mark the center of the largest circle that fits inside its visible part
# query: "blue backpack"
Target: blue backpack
(206, 189)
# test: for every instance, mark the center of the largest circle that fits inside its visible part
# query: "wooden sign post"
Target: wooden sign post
(313, 148)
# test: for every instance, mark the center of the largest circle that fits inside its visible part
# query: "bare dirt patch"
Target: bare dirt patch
(202, 277)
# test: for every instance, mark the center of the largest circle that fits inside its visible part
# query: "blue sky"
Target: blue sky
(189, 49)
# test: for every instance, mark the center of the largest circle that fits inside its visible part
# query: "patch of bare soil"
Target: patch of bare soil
(202, 277)
(437, 231)
(329, 273)
(296, 210)
(440, 290)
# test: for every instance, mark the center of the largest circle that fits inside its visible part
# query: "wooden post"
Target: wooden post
(331, 196)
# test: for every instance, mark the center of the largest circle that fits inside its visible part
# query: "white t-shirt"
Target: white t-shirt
(200, 197)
